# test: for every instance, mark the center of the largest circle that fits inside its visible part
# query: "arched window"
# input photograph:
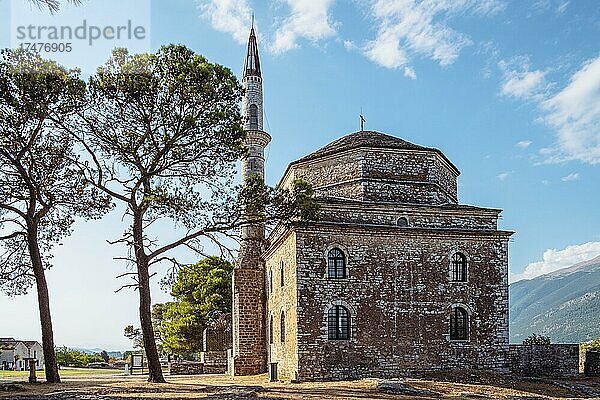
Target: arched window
(253, 117)
(459, 324)
(338, 323)
(282, 273)
(271, 330)
(458, 268)
(282, 327)
(336, 263)
(402, 222)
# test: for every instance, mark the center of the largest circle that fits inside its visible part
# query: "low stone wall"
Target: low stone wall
(186, 368)
(544, 359)
(215, 362)
(592, 363)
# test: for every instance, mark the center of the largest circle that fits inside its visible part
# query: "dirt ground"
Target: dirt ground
(440, 386)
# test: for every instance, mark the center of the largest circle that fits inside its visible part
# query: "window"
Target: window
(458, 268)
(271, 330)
(336, 263)
(282, 327)
(253, 117)
(271, 281)
(338, 323)
(402, 222)
(459, 323)
(282, 273)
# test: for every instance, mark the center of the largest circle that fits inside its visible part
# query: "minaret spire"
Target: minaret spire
(252, 65)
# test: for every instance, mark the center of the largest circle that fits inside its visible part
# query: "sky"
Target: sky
(508, 90)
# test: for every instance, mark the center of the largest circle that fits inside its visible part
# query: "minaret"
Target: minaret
(249, 297)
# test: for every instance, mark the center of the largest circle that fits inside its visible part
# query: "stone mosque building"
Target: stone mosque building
(395, 276)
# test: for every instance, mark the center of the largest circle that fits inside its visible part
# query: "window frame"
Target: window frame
(459, 324)
(458, 269)
(282, 327)
(333, 263)
(339, 327)
(253, 117)
(406, 223)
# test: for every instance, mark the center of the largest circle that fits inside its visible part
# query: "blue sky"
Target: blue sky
(508, 90)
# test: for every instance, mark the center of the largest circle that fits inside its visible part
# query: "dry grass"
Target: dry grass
(226, 387)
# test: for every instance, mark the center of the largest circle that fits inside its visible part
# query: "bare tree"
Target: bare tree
(41, 189)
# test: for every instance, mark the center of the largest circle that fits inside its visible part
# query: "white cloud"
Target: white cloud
(571, 177)
(519, 81)
(410, 73)
(503, 176)
(524, 144)
(557, 259)
(229, 16)
(421, 27)
(309, 19)
(575, 114)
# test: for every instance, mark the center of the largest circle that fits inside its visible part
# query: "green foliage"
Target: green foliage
(268, 205)
(200, 290)
(537, 339)
(593, 345)
(135, 335)
(72, 358)
(41, 188)
(127, 355)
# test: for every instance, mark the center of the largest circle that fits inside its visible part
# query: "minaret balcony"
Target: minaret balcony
(257, 138)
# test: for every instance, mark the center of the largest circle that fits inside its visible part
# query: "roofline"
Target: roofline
(421, 148)
(447, 208)
(324, 156)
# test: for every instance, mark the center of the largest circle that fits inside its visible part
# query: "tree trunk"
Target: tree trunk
(154, 369)
(50, 364)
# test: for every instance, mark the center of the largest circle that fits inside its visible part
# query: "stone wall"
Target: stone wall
(249, 342)
(388, 175)
(399, 297)
(215, 362)
(592, 363)
(457, 217)
(186, 368)
(544, 359)
(253, 95)
(282, 299)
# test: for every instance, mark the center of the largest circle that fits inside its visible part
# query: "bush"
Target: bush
(74, 358)
(593, 345)
(537, 339)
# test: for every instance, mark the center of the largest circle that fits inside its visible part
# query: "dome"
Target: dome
(376, 167)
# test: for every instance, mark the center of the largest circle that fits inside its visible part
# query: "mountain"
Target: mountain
(564, 304)
(116, 354)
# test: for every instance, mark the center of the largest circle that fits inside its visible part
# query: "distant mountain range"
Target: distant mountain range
(116, 354)
(564, 305)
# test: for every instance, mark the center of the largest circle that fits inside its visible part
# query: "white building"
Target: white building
(14, 352)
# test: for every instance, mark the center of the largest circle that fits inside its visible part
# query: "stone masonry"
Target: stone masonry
(395, 234)
(397, 289)
(249, 354)
(544, 359)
